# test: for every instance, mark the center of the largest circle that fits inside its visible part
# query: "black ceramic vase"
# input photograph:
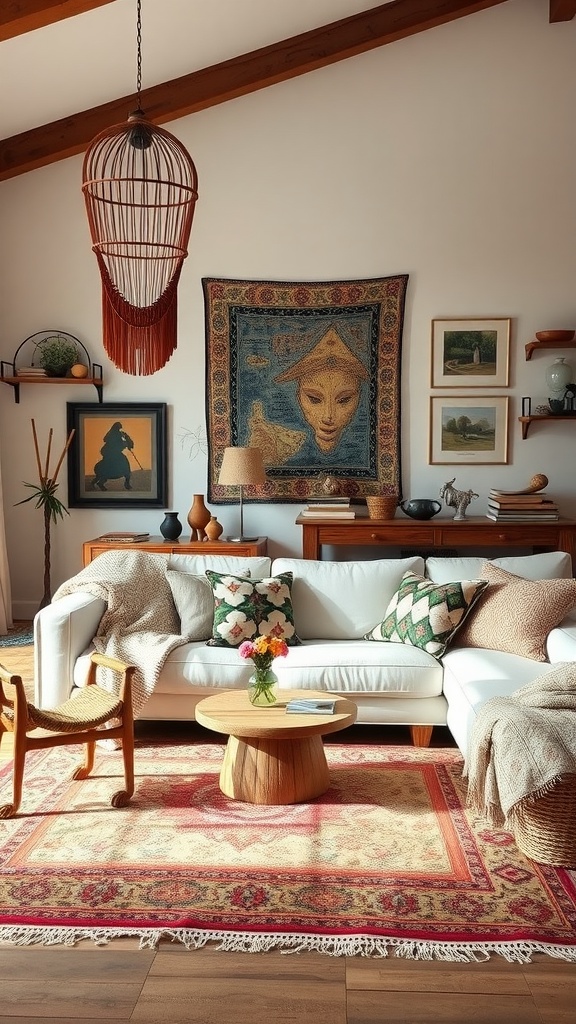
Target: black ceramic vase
(171, 527)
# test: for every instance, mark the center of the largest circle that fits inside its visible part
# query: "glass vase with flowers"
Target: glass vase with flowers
(262, 683)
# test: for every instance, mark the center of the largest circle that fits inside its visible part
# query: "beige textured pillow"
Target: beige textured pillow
(192, 596)
(515, 615)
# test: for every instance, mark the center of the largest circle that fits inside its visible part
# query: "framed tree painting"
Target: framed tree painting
(469, 353)
(468, 429)
(117, 458)
(309, 373)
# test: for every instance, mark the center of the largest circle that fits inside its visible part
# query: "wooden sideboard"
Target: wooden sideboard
(157, 545)
(475, 532)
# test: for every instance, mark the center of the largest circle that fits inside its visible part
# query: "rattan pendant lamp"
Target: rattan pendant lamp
(140, 189)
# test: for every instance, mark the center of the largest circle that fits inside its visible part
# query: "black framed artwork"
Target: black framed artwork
(117, 458)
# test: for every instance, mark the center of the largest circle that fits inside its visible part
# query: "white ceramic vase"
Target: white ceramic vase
(558, 375)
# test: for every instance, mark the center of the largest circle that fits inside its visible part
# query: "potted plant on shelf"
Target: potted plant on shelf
(57, 355)
(44, 493)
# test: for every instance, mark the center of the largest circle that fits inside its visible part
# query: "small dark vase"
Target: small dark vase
(421, 508)
(171, 527)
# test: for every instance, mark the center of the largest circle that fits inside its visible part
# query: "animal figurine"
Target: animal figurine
(457, 499)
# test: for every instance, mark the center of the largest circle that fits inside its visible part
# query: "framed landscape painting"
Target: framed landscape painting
(465, 430)
(117, 458)
(469, 353)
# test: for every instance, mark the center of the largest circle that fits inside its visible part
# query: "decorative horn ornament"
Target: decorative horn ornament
(140, 189)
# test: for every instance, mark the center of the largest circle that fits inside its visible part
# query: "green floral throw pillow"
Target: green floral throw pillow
(426, 614)
(247, 608)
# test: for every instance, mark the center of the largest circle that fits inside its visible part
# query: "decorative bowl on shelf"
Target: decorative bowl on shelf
(420, 508)
(555, 335)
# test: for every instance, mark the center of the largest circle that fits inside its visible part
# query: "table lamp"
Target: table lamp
(241, 466)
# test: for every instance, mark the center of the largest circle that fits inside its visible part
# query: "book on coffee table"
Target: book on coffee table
(314, 706)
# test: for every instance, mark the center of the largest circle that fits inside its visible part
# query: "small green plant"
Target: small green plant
(44, 493)
(57, 355)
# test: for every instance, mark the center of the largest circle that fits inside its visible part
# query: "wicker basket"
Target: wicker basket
(547, 832)
(382, 506)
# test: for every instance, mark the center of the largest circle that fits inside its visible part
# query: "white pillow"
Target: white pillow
(254, 565)
(342, 600)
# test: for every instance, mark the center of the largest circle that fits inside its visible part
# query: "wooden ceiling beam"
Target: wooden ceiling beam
(562, 10)
(237, 77)
(19, 16)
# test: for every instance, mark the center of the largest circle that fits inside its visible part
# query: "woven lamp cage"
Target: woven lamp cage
(140, 189)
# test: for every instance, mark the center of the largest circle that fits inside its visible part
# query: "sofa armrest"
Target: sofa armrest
(561, 642)
(62, 631)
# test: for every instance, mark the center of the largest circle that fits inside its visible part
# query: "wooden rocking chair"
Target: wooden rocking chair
(78, 720)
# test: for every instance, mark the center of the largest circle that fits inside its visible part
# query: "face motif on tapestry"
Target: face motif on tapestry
(329, 388)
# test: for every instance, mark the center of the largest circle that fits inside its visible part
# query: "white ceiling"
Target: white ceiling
(90, 59)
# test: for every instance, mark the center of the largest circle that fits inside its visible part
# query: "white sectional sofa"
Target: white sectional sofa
(335, 604)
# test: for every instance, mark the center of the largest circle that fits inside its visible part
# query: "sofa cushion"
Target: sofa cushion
(517, 614)
(246, 608)
(250, 565)
(546, 565)
(192, 596)
(342, 600)
(349, 667)
(425, 614)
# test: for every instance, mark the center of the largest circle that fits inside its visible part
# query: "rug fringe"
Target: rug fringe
(263, 942)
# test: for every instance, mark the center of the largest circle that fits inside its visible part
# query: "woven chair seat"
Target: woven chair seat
(77, 720)
(91, 707)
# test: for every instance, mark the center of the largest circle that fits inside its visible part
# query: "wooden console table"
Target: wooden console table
(475, 532)
(157, 545)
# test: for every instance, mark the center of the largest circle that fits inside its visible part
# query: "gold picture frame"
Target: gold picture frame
(471, 352)
(468, 429)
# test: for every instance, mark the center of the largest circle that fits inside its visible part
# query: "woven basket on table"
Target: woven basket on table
(382, 506)
(547, 832)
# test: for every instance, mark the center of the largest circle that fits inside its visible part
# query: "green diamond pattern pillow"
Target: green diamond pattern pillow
(247, 608)
(426, 614)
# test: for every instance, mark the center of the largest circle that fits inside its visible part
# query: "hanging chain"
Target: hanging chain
(139, 51)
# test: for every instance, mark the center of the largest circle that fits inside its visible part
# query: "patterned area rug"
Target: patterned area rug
(387, 861)
(18, 636)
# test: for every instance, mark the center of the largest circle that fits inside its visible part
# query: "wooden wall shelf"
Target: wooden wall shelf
(533, 346)
(15, 380)
(527, 420)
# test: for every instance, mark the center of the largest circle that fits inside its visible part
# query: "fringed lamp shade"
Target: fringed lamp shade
(140, 189)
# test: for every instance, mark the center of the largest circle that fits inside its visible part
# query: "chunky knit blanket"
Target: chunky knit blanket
(522, 745)
(140, 624)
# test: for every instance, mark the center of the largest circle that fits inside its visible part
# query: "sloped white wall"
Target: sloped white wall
(449, 156)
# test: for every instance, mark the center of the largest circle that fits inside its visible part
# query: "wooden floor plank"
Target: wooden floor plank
(196, 1000)
(76, 1000)
(496, 975)
(439, 1008)
(37, 962)
(210, 962)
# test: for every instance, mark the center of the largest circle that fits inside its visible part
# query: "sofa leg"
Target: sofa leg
(421, 735)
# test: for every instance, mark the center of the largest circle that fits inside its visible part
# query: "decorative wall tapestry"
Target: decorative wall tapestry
(310, 373)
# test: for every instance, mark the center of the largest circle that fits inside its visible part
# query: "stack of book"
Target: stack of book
(513, 507)
(335, 508)
(31, 371)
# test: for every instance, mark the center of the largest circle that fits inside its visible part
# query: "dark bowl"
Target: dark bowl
(421, 508)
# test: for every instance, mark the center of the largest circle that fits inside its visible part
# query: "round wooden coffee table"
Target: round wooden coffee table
(272, 756)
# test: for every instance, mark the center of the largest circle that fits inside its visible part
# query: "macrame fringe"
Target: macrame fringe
(139, 350)
(263, 942)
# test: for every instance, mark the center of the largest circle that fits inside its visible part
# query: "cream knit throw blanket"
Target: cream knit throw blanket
(140, 624)
(522, 745)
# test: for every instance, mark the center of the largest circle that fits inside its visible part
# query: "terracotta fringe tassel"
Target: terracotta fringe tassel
(142, 349)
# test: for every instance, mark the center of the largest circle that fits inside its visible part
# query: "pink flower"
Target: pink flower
(246, 649)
